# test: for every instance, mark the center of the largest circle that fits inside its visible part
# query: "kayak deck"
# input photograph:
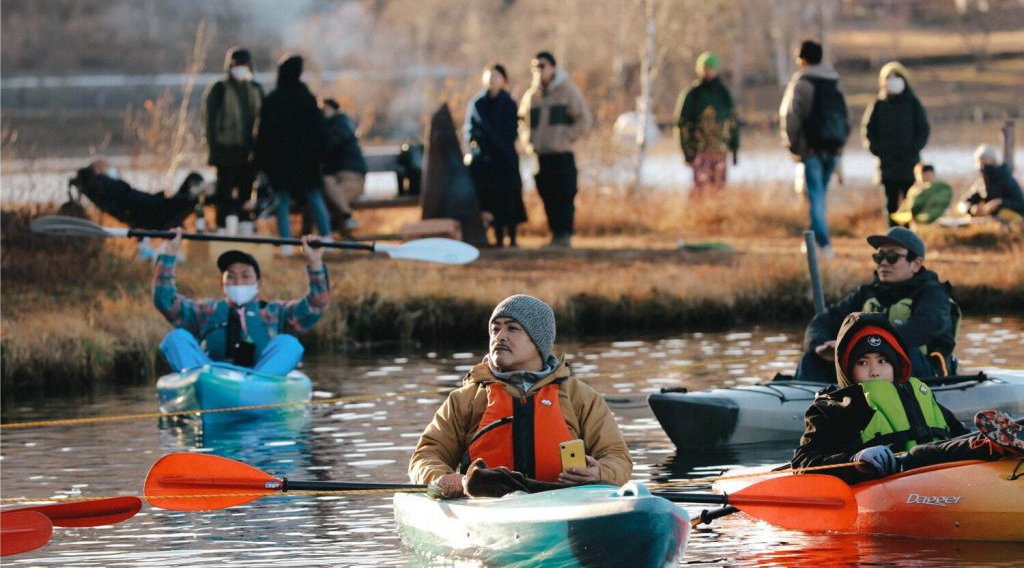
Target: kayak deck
(215, 386)
(591, 525)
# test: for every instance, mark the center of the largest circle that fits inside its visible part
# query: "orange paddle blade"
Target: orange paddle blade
(202, 482)
(21, 531)
(91, 513)
(799, 502)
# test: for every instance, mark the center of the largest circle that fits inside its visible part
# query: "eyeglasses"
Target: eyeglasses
(891, 257)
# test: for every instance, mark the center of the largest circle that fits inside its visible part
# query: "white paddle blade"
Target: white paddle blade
(445, 251)
(60, 225)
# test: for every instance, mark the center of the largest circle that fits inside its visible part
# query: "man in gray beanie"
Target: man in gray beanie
(513, 411)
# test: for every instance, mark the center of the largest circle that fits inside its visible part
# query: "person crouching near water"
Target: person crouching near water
(504, 425)
(878, 409)
(240, 328)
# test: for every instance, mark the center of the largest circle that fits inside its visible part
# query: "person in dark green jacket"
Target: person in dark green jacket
(895, 129)
(707, 129)
(927, 200)
(917, 304)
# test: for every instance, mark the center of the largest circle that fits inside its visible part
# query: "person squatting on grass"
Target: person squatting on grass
(814, 125)
(240, 328)
(706, 127)
(879, 408)
(996, 193)
(895, 128)
(927, 200)
(553, 116)
(504, 425)
(916, 303)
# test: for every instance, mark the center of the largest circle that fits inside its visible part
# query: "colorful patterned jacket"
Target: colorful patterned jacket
(207, 319)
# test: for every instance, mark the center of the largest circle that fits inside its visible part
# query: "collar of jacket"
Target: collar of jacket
(481, 374)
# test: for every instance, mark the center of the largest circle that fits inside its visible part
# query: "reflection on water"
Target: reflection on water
(371, 440)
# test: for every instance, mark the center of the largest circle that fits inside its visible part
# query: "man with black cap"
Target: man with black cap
(239, 328)
(514, 409)
(878, 408)
(230, 107)
(917, 304)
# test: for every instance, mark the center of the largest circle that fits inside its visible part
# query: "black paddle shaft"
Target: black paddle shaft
(707, 498)
(287, 485)
(242, 239)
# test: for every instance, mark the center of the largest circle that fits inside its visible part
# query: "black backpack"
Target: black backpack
(828, 126)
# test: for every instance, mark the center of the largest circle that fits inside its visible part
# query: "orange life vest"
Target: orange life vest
(522, 434)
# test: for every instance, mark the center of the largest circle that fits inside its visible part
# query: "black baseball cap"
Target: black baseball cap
(232, 256)
(900, 237)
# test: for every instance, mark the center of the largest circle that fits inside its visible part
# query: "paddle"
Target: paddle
(446, 251)
(800, 502)
(203, 482)
(90, 513)
(22, 531)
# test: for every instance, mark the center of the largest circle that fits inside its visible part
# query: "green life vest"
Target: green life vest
(897, 426)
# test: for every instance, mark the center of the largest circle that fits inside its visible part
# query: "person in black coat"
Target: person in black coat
(996, 193)
(895, 128)
(290, 145)
(491, 129)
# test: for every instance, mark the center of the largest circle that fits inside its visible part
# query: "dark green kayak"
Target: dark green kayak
(591, 525)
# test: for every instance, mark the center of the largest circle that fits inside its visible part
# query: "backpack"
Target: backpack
(827, 127)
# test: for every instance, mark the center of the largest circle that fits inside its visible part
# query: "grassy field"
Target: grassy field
(77, 313)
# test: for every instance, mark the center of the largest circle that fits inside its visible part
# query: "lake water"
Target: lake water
(371, 439)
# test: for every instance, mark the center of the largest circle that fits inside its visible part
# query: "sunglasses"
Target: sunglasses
(891, 257)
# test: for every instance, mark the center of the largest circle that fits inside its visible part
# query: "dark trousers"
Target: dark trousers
(234, 186)
(556, 184)
(814, 368)
(974, 447)
(895, 192)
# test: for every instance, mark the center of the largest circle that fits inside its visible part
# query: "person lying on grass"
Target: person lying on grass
(238, 328)
(504, 425)
(878, 409)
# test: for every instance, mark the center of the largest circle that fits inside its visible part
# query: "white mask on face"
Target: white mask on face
(242, 294)
(241, 73)
(895, 85)
(112, 173)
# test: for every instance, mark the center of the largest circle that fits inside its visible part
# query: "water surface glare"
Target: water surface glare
(370, 440)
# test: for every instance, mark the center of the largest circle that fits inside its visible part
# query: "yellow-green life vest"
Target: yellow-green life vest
(892, 425)
(901, 311)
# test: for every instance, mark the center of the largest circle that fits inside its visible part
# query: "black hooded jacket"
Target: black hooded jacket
(833, 422)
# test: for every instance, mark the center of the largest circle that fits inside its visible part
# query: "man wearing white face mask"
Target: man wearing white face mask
(895, 129)
(239, 328)
(231, 107)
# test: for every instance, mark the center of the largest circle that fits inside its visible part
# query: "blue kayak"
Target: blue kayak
(588, 525)
(228, 386)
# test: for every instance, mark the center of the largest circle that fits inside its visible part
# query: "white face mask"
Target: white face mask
(895, 85)
(241, 73)
(112, 173)
(241, 295)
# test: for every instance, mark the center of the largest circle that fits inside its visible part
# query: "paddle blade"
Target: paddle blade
(22, 531)
(91, 513)
(799, 502)
(60, 225)
(202, 482)
(445, 251)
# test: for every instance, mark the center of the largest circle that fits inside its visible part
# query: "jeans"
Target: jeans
(280, 356)
(234, 186)
(556, 184)
(314, 200)
(818, 169)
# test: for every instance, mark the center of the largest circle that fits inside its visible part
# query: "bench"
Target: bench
(407, 170)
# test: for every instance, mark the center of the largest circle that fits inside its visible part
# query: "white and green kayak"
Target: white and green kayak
(226, 386)
(589, 525)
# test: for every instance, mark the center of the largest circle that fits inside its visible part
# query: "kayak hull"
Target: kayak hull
(965, 500)
(593, 525)
(215, 386)
(774, 412)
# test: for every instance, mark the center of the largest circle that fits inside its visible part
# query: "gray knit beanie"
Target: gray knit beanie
(536, 317)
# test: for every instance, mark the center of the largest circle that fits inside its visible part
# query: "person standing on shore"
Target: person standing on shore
(345, 166)
(895, 129)
(554, 116)
(491, 129)
(706, 127)
(240, 328)
(230, 108)
(292, 140)
(814, 125)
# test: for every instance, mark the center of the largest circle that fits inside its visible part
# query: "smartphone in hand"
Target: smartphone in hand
(573, 455)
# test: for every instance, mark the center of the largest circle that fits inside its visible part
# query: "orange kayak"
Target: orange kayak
(965, 500)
